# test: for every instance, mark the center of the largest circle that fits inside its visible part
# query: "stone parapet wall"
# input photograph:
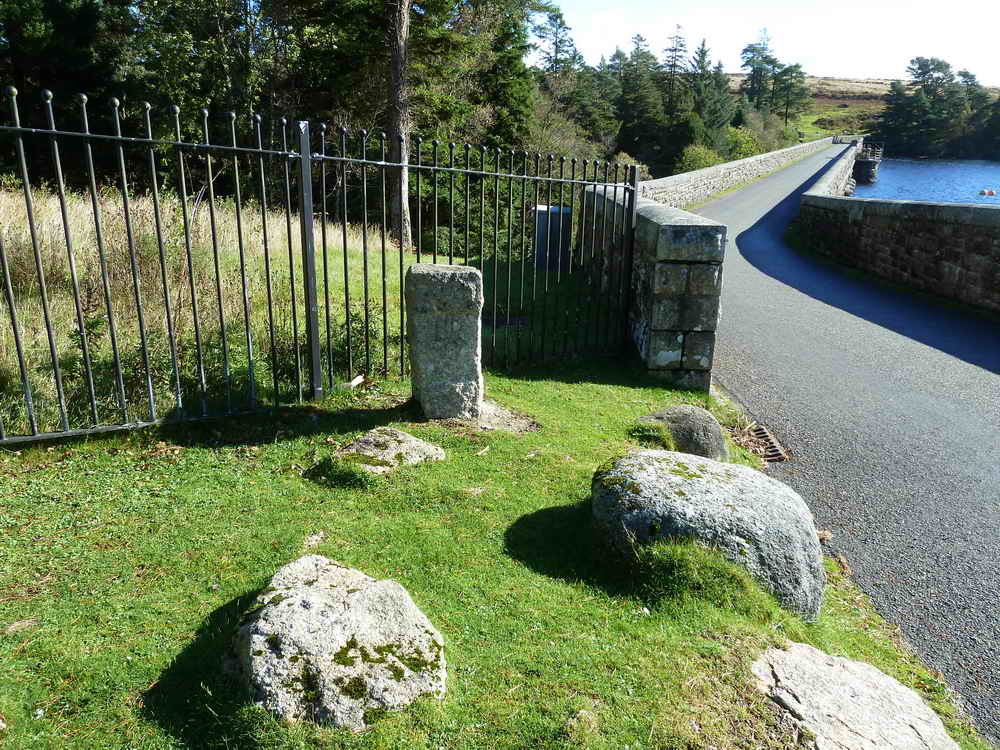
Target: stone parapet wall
(950, 250)
(693, 187)
(837, 179)
(676, 283)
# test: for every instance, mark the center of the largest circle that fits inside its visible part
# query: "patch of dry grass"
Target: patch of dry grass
(202, 289)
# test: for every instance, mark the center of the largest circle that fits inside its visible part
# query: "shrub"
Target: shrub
(696, 156)
(743, 142)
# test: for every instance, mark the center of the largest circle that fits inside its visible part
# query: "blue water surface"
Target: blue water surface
(935, 181)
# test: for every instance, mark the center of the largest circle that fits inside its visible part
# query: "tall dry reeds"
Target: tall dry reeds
(203, 289)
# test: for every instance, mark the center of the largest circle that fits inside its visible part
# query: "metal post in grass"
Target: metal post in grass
(309, 263)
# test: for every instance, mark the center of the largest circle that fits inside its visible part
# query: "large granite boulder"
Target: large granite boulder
(444, 307)
(847, 705)
(384, 449)
(332, 645)
(693, 429)
(756, 521)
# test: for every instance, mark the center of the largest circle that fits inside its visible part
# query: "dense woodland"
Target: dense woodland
(661, 103)
(941, 113)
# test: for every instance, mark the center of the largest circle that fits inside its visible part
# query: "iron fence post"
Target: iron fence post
(309, 264)
(633, 205)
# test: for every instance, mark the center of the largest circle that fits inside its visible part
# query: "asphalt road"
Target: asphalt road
(890, 404)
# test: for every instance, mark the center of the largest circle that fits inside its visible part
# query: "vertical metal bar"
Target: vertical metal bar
(582, 231)
(593, 228)
(434, 178)
(8, 294)
(633, 181)
(404, 198)
(510, 258)
(158, 224)
(451, 203)
(594, 282)
(30, 208)
(307, 226)
(468, 187)
(67, 236)
(251, 370)
(613, 262)
(226, 373)
(105, 283)
(347, 272)
(420, 203)
(571, 316)
(291, 257)
(603, 267)
(560, 311)
(523, 250)
(364, 249)
(134, 262)
(496, 253)
(182, 180)
(534, 254)
(559, 229)
(548, 251)
(262, 186)
(482, 209)
(326, 263)
(582, 255)
(385, 290)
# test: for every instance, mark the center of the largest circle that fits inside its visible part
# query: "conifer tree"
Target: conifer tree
(674, 70)
(640, 108)
(791, 95)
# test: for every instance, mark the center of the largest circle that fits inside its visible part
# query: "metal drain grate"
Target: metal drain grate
(773, 450)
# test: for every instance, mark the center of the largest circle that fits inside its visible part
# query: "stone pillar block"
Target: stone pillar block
(444, 306)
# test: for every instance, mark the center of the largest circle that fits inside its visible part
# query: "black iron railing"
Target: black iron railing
(149, 278)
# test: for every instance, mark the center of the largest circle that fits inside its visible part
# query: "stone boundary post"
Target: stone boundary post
(444, 306)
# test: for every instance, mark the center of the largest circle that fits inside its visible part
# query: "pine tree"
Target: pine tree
(557, 49)
(710, 97)
(508, 84)
(760, 63)
(791, 95)
(674, 70)
(640, 108)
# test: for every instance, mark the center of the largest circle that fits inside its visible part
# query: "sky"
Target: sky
(843, 39)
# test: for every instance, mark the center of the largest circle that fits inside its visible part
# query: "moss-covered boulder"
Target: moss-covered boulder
(329, 644)
(756, 521)
(384, 449)
(692, 430)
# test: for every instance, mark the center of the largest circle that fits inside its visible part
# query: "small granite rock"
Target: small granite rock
(329, 644)
(693, 429)
(755, 521)
(384, 449)
(847, 705)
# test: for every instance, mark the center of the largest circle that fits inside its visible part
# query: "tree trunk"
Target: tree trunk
(398, 34)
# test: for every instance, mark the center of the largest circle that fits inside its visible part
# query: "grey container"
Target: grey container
(553, 255)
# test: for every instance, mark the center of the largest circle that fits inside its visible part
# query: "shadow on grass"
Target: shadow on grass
(195, 700)
(674, 574)
(561, 543)
(287, 423)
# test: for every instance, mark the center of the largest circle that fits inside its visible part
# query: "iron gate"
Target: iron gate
(149, 277)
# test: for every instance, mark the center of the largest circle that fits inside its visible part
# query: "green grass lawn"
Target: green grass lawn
(126, 563)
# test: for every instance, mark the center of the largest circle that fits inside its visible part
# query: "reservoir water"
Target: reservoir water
(935, 181)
